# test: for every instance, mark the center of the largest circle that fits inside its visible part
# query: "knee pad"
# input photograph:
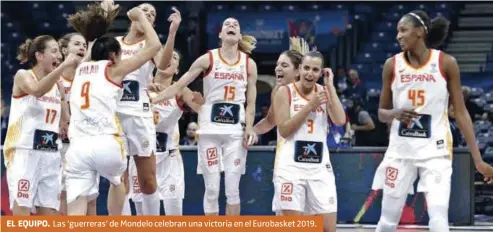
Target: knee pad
(391, 213)
(438, 218)
(211, 195)
(232, 187)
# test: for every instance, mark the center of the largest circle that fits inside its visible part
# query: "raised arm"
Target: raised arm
(27, 85)
(163, 58)
(286, 124)
(200, 65)
(190, 99)
(336, 111)
(152, 47)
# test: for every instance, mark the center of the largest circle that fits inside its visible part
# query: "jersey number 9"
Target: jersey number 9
(84, 93)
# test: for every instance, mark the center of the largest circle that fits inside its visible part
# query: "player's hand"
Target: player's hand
(405, 115)
(320, 98)
(72, 60)
(250, 137)
(328, 77)
(109, 5)
(175, 20)
(155, 87)
(136, 14)
(486, 170)
(63, 131)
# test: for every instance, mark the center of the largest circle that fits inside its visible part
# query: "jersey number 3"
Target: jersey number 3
(84, 93)
(417, 97)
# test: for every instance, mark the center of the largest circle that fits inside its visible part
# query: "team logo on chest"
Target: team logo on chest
(420, 127)
(225, 113)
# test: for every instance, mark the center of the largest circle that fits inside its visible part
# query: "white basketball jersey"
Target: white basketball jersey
(94, 101)
(225, 88)
(34, 122)
(166, 116)
(425, 90)
(67, 83)
(304, 154)
(134, 100)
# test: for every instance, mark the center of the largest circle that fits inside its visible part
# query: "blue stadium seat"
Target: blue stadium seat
(381, 36)
(365, 58)
(482, 126)
(316, 6)
(436, 14)
(400, 8)
(290, 7)
(488, 97)
(244, 7)
(363, 9)
(488, 154)
(267, 7)
(387, 26)
(443, 6)
(476, 92)
(488, 108)
(480, 102)
(391, 16)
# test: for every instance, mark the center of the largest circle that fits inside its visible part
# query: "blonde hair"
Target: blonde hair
(247, 44)
(300, 45)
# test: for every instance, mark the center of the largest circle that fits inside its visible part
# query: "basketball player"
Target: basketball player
(301, 180)
(71, 43)
(169, 166)
(415, 92)
(98, 84)
(229, 74)
(134, 109)
(287, 71)
(32, 143)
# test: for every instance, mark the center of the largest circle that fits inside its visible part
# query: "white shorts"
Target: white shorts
(89, 157)
(170, 176)
(218, 153)
(309, 196)
(397, 176)
(34, 179)
(63, 151)
(139, 134)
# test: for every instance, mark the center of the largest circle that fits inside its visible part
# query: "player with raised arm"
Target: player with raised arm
(38, 115)
(98, 85)
(225, 125)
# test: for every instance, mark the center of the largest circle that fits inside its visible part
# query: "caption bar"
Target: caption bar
(157, 223)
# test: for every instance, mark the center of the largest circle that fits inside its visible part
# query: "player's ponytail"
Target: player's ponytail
(247, 44)
(93, 22)
(26, 53)
(438, 32)
(23, 51)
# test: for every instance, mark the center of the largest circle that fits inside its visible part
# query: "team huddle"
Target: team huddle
(93, 105)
